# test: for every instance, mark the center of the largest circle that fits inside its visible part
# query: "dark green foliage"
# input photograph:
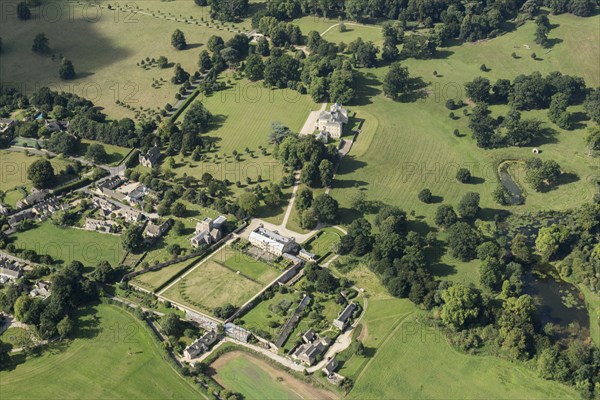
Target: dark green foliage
(178, 40)
(66, 70)
(445, 216)
(462, 241)
(41, 174)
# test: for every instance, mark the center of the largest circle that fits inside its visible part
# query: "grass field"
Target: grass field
(113, 357)
(405, 147)
(115, 153)
(68, 244)
(106, 70)
(405, 359)
(256, 379)
(257, 270)
(211, 285)
(13, 172)
(329, 29)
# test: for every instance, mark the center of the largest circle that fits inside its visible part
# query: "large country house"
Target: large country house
(333, 121)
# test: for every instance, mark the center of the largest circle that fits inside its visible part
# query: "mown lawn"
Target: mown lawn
(243, 114)
(13, 172)
(68, 244)
(115, 153)
(257, 379)
(113, 357)
(15, 336)
(325, 242)
(152, 280)
(251, 267)
(212, 285)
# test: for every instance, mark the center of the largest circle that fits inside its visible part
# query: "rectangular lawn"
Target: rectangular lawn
(68, 244)
(211, 285)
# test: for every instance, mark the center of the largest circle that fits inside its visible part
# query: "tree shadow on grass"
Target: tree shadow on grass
(366, 89)
(348, 165)
(192, 46)
(548, 136)
(552, 42)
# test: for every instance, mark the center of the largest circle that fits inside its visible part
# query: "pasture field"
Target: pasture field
(106, 70)
(443, 373)
(115, 153)
(256, 379)
(211, 285)
(67, 244)
(112, 356)
(405, 147)
(13, 172)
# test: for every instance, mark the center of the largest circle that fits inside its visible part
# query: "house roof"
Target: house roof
(344, 315)
(153, 154)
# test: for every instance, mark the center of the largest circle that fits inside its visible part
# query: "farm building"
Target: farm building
(201, 345)
(342, 320)
(308, 353)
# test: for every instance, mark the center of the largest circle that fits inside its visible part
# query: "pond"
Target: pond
(509, 184)
(558, 302)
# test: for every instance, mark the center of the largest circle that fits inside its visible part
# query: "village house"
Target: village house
(56, 126)
(201, 345)
(309, 353)
(342, 320)
(156, 230)
(332, 121)
(34, 197)
(150, 159)
(40, 289)
(9, 270)
(309, 336)
(104, 205)
(136, 196)
(272, 242)
(48, 206)
(129, 214)
(92, 224)
(208, 231)
(14, 220)
(111, 183)
(6, 124)
(330, 367)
